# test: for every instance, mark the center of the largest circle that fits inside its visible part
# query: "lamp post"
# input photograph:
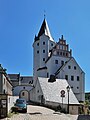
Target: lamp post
(68, 90)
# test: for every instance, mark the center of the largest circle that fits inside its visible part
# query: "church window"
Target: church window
(62, 62)
(66, 77)
(61, 47)
(43, 51)
(43, 59)
(43, 43)
(67, 54)
(56, 61)
(72, 78)
(37, 44)
(37, 91)
(60, 53)
(63, 54)
(78, 78)
(57, 53)
(38, 51)
(69, 67)
(74, 67)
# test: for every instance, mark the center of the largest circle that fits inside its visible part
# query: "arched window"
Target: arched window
(23, 94)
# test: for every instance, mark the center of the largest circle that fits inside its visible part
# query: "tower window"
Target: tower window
(51, 44)
(37, 44)
(69, 67)
(43, 43)
(38, 51)
(78, 78)
(56, 61)
(43, 51)
(66, 77)
(77, 87)
(72, 78)
(43, 59)
(72, 87)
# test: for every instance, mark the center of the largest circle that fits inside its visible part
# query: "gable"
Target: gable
(73, 64)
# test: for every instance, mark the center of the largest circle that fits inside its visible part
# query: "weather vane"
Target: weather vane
(44, 14)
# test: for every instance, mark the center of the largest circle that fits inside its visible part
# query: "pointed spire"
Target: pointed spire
(45, 30)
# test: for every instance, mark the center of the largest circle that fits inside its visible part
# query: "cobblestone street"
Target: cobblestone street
(41, 113)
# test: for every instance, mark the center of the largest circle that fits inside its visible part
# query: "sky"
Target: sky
(20, 20)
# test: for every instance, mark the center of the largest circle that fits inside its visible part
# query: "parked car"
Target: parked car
(21, 105)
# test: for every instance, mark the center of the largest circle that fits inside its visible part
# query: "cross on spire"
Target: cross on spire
(44, 14)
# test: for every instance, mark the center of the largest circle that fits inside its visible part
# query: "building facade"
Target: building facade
(55, 58)
(22, 85)
(5, 83)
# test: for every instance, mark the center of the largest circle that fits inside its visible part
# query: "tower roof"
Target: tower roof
(45, 30)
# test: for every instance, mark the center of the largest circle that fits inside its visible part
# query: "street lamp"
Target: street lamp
(68, 90)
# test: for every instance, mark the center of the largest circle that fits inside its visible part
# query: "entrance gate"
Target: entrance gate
(3, 106)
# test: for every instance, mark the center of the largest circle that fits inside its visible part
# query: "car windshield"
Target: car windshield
(20, 101)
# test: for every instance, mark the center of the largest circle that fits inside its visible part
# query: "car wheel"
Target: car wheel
(25, 111)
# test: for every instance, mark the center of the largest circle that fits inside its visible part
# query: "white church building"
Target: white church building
(55, 59)
(54, 69)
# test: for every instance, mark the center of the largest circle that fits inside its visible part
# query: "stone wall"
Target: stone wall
(11, 100)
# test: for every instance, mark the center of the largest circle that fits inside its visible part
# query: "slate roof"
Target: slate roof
(51, 91)
(26, 79)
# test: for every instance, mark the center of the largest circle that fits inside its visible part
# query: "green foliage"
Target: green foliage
(87, 97)
(14, 109)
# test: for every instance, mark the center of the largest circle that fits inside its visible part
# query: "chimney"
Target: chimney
(52, 78)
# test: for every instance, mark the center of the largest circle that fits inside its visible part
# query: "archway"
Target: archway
(24, 94)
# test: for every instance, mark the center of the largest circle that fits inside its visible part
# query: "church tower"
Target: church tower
(43, 43)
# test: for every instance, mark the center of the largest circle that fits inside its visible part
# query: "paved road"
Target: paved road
(42, 113)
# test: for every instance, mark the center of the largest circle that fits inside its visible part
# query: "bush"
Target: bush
(14, 109)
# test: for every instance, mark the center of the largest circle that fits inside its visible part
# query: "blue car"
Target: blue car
(21, 105)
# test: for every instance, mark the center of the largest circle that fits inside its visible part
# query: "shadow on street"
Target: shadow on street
(83, 117)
